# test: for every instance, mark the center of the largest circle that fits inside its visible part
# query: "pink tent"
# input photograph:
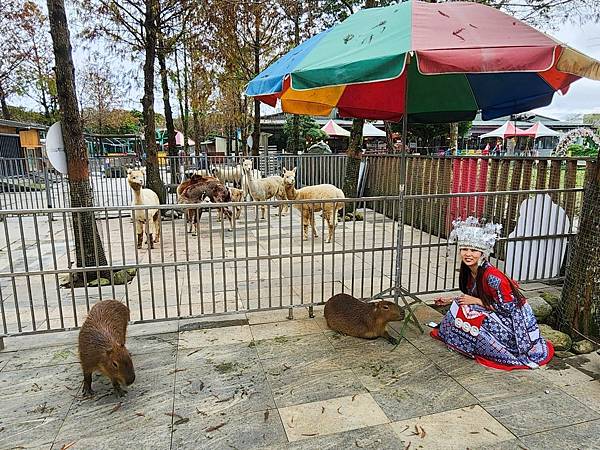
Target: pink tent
(179, 139)
(334, 130)
(508, 129)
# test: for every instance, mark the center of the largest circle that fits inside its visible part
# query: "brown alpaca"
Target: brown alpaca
(200, 189)
(319, 193)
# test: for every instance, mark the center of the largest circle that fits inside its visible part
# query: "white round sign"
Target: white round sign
(55, 148)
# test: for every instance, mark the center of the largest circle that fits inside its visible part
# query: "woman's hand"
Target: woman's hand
(443, 301)
(465, 299)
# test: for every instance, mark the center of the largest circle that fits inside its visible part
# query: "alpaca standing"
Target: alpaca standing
(319, 192)
(265, 188)
(144, 197)
(199, 189)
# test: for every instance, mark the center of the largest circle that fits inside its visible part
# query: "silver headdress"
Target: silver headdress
(470, 233)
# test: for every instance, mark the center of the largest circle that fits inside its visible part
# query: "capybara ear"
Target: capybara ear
(294, 170)
(384, 305)
(143, 169)
(284, 170)
(129, 171)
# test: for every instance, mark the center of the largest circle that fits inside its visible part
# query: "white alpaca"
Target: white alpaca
(228, 173)
(319, 192)
(144, 197)
(265, 188)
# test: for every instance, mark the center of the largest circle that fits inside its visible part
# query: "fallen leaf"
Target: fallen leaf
(423, 433)
(200, 412)
(69, 445)
(140, 414)
(338, 410)
(266, 415)
(191, 353)
(405, 428)
(322, 410)
(215, 428)
(408, 446)
(116, 408)
(354, 396)
(175, 371)
(181, 421)
(490, 431)
(309, 434)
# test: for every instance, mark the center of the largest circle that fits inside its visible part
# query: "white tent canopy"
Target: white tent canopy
(370, 130)
(540, 130)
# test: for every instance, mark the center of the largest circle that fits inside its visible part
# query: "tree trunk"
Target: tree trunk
(152, 168)
(88, 245)
(296, 119)
(354, 152)
(389, 140)
(454, 135)
(257, 37)
(186, 109)
(5, 110)
(164, 82)
(580, 302)
(354, 156)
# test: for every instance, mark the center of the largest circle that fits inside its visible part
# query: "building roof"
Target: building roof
(22, 125)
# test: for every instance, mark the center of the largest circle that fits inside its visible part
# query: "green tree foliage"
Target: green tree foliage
(310, 131)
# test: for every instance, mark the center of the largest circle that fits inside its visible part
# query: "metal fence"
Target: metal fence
(259, 264)
(32, 183)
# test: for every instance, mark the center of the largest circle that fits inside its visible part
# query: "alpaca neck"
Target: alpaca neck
(290, 192)
(137, 193)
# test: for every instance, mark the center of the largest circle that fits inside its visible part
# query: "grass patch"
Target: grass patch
(225, 367)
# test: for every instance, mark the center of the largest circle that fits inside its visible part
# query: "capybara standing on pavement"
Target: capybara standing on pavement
(102, 346)
(348, 315)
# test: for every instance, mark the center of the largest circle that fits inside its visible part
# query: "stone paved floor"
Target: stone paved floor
(258, 380)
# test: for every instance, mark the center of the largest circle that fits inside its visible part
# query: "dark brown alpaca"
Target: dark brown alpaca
(199, 189)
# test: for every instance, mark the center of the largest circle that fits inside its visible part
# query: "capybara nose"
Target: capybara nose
(130, 380)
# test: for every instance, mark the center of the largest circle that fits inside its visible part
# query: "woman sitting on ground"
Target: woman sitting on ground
(491, 321)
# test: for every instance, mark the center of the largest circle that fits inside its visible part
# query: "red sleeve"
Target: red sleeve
(497, 286)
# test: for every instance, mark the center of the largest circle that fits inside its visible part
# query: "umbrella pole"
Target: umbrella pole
(399, 291)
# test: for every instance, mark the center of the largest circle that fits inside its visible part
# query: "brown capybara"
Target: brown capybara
(102, 346)
(348, 315)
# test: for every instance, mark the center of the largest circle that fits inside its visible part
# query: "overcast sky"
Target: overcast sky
(583, 95)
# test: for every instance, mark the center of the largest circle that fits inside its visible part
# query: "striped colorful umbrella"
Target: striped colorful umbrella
(441, 61)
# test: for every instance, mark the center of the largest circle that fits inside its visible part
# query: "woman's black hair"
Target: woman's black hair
(488, 302)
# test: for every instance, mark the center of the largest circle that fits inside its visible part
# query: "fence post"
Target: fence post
(47, 187)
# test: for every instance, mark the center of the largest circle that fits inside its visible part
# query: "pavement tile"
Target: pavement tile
(221, 379)
(378, 436)
(587, 393)
(527, 414)
(148, 402)
(29, 432)
(562, 374)
(152, 343)
(296, 387)
(469, 427)
(331, 416)
(427, 391)
(257, 429)
(484, 385)
(214, 336)
(581, 436)
(285, 329)
(51, 356)
(145, 438)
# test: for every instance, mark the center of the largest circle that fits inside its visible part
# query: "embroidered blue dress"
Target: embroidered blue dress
(506, 337)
